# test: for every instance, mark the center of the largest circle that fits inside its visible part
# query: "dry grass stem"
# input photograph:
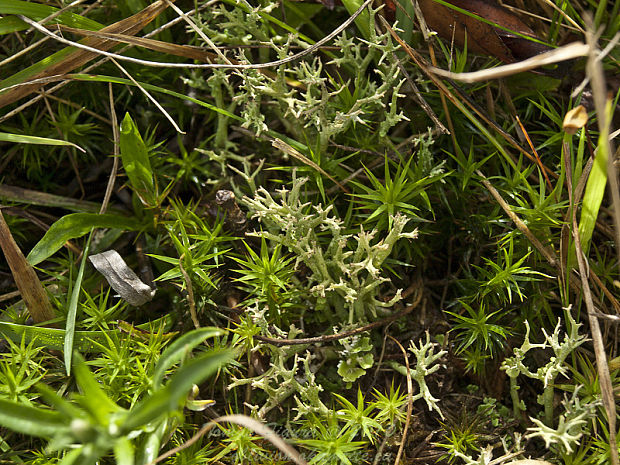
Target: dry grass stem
(403, 439)
(564, 53)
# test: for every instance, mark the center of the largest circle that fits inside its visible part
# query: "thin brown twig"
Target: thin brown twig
(595, 330)
(545, 251)
(418, 97)
(148, 96)
(594, 71)
(409, 402)
(335, 337)
(190, 293)
(115, 134)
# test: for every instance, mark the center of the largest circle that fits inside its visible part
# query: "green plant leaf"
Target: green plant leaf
(169, 397)
(24, 139)
(76, 225)
(135, 156)
(593, 196)
(179, 349)
(10, 24)
(29, 420)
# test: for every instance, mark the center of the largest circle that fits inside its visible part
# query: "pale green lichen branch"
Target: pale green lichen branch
(570, 427)
(340, 279)
(547, 374)
(426, 359)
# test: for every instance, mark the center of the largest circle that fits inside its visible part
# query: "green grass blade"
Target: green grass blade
(94, 398)
(179, 349)
(76, 225)
(49, 337)
(593, 197)
(595, 188)
(151, 87)
(10, 24)
(73, 303)
(117, 80)
(170, 396)
(24, 139)
(84, 341)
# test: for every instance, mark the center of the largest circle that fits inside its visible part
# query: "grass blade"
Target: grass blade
(169, 397)
(72, 312)
(38, 12)
(23, 139)
(179, 348)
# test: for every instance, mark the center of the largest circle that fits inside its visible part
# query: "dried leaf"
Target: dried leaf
(491, 30)
(121, 278)
(557, 55)
(187, 51)
(27, 281)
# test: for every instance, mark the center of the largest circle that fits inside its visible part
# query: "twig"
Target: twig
(409, 402)
(198, 31)
(594, 71)
(246, 422)
(567, 52)
(115, 134)
(547, 253)
(190, 293)
(335, 337)
(149, 96)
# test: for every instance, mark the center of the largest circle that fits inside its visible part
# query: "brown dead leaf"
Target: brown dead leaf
(79, 57)
(507, 46)
(27, 281)
(186, 51)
